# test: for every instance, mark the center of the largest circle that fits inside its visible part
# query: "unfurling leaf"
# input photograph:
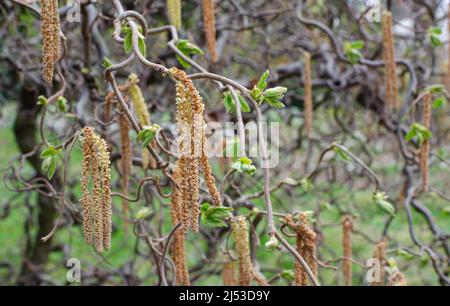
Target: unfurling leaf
(214, 216)
(244, 164)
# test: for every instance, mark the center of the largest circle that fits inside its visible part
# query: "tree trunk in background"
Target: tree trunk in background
(37, 252)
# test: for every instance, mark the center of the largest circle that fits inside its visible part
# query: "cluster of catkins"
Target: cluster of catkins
(192, 151)
(51, 49)
(96, 201)
(306, 247)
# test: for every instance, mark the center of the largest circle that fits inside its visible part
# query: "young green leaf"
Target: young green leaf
(244, 164)
(380, 199)
(262, 83)
(214, 216)
(147, 134)
(62, 104)
(49, 166)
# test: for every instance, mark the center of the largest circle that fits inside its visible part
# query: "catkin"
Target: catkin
(174, 13)
(125, 161)
(50, 27)
(143, 117)
(178, 242)
(96, 205)
(192, 146)
(209, 25)
(308, 103)
(425, 148)
(229, 274)
(306, 247)
(379, 253)
(390, 68)
(240, 234)
(347, 228)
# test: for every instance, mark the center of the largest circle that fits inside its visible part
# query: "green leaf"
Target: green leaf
(62, 104)
(183, 62)
(245, 108)
(188, 49)
(128, 42)
(275, 93)
(380, 200)
(406, 255)
(214, 216)
(228, 101)
(262, 83)
(147, 134)
(106, 62)
(341, 153)
(288, 275)
(439, 102)
(410, 135)
(42, 100)
(358, 44)
(274, 103)
(435, 89)
(244, 164)
(434, 34)
(49, 152)
(49, 166)
(142, 46)
(143, 213)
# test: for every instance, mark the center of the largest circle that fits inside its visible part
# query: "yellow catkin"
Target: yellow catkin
(209, 25)
(125, 161)
(240, 234)
(143, 117)
(306, 247)
(192, 146)
(347, 228)
(86, 200)
(308, 103)
(96, 205)
(50, 27)
(229, 274)
(390, 70)
(178, 242)
(379, 254)
(174, 13)
(425, 148)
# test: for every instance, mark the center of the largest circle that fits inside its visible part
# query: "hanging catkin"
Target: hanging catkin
(240, 235)
(390, 68)
(50, 26)
(125, 162)
(229, 274)
(308, 103)
(174, 13)
(378, 254)
(178, 242)
(306, 247)
(96, 205)
(448, 50)
(425, 148)
(192, 146)
(143, 117)
(209, 25)
(347, 228)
